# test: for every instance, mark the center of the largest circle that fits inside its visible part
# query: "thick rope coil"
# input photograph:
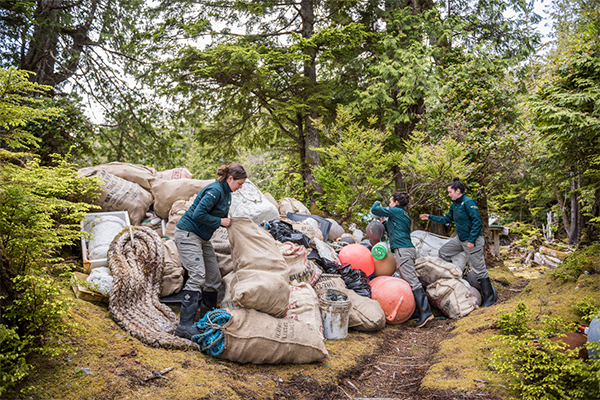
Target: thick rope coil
(210, 338)
(133, 302)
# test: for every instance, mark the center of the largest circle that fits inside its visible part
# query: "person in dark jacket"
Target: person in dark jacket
(192, 235)
(398, 226)
(467, 222)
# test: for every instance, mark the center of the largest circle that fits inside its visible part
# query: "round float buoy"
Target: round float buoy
(385, 266)
(395, 297)
(359, 257)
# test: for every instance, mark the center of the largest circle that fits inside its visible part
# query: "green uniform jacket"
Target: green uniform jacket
(397, 225)
(465, 214)
(204, 216)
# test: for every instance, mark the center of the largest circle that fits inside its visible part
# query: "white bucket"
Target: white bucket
(335, 315)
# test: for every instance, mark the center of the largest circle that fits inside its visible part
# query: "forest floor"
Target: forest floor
(447, 359)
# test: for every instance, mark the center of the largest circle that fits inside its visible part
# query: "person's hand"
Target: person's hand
(424, 217)
(225, 222)
(470, 246)
(382, 220)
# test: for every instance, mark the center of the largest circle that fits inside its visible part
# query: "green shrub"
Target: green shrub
(587, 309)
(40, 210)
(542, 369)
(583, 260)
(514, 323)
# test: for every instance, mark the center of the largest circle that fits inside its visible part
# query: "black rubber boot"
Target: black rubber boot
(488, 293)
(209, 301)
(187, 313)
(422, 308)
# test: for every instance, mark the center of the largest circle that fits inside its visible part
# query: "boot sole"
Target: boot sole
(424, 322)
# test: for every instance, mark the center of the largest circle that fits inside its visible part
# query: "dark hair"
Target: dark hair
(401, 198)
(456, 184)
(233, 169)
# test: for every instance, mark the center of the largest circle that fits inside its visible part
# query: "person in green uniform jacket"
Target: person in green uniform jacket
(192, 236)
(398, 226)
(467, 222)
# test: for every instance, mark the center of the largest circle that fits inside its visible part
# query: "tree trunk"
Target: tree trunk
(311, 133)
(575, 211)
(488, 248)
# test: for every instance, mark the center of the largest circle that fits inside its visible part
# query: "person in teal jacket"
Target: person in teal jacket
(467, 222)
(398, 227)
(192, 236)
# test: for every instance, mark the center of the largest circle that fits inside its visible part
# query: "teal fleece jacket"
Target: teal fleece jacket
(465, 214)
(203, 218)
(397, 226)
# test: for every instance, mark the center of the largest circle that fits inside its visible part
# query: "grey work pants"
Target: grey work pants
(475, 257)
(199, 259)
(405, 262)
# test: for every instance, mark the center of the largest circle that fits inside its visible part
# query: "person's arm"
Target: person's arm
(475, 217)
(446, 219)
(379, 211)
(201, 213)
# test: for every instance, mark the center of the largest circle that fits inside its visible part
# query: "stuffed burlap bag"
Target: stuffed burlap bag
(261, 273)
(167, 192)
(172, 279)
(304, 306)
(301, 268)
(430, 269)
(258, 338)
(452, 297)
(366, 314)
(130, 172)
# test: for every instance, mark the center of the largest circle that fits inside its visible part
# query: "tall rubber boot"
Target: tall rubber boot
(209, 301)
(187, 313)
(488, 293)
(422, 308)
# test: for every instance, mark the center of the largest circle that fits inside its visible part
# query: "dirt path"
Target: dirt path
(396, 369)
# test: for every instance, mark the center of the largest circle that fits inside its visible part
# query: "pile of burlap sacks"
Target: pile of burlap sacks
(270, 288)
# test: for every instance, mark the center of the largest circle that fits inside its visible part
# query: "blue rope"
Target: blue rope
(210, 337)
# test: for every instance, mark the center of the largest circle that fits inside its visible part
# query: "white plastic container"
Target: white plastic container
(86, 226)
(335, 315)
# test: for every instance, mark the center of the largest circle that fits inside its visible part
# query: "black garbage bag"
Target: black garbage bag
(284, 232)
(354, 279)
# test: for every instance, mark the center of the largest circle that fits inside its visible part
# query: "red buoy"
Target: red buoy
(359, 257)
(395, 297)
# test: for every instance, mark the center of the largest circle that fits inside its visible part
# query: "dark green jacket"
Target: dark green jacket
(465, 214)
(204, 216)
(397, 225)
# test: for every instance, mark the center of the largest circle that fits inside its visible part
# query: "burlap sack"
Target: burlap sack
(261, 273)
(130, 172)
(366, 314)
(310, 231)
(220, 242)
(167, 192)
(175, 173)
(172, 280)
(117, 194)
(430, 269)
(258, 338)
(177, 210)
(325, 250)
(301, 268)
(271, 199)
(452, 297)
(304, 306)
(227, 281)
(250, 202)
(289, 204)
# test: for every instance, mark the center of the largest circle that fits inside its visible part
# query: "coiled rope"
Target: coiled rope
(211, 337)
(135, 259)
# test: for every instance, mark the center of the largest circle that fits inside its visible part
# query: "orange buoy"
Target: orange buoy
(395, 297)
(386, 266)
(359, 257)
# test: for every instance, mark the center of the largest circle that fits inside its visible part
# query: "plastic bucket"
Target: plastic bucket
(335, 314)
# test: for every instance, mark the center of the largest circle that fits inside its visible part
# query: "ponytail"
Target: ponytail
(234, 169)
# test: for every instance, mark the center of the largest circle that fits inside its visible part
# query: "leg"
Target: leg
(406, 266)
(450, 249)
(190, 253)
(213, 279)
(476, 261)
